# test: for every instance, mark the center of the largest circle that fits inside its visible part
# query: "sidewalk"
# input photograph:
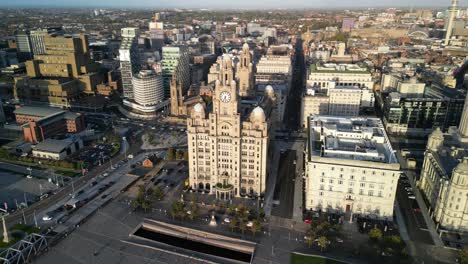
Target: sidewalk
(298, 184)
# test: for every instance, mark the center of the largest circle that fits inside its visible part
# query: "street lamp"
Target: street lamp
(6, 235)
(125, 146)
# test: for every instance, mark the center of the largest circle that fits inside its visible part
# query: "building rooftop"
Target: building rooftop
(52, 145)
(338, 68)
(37, 111)
(350, 138)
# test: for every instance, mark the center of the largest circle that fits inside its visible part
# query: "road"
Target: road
(293, 108)
(284, 190)
(29, 212)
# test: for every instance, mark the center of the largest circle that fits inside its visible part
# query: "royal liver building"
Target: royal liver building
(228, 142)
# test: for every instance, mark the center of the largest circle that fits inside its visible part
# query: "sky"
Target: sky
(218, 4)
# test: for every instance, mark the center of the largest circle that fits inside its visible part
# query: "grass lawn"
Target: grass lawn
(67, 173)
(301, 259)
(25, 228)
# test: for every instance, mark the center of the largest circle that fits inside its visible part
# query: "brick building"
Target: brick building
(40, 123)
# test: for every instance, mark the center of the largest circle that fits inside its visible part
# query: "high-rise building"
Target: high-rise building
(129, 57)
(37, 41)
(245, 73)
(37, 38)
(350, 167)
(148, 91)
(444, 176)
(420, 114)
(452, 13)
(23, 45)
(228, 146)
(58, 76)
(175, 64)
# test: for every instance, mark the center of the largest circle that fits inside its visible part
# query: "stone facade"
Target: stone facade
(228, 149)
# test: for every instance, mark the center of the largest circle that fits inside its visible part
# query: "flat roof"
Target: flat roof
(39, 111)
(52, 145)
(350, 138)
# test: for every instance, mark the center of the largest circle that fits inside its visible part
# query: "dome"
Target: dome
(257, 114)
(199, 109)
(269, 90)
(437, 133)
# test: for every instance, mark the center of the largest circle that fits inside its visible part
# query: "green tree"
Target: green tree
(261, 213)
(375, 234)
(232, 210)
(179, 155)
(310, 238)
(171, 154)
(256, 227)
(233, 224)
(323, 228)
(177, 209)
(242, 226)
(323, 242)
(463, 255)
(158, 194)
(145, 205)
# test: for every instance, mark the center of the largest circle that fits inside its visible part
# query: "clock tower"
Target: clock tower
(226, 96)
(227, 150)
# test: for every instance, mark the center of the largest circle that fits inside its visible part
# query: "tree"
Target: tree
(186, 155)
(323, 242)
(171, 154)
(261, 213)
(309, 239)
(179, 155)
(158, 194)
(256, 227)
(145, 205)
(375, 234)
(233, 224)
(463, 255)
(177, 209)
(242, 226)
(232, 210)
(323, 228)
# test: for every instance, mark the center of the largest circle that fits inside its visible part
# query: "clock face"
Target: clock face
(225, 97)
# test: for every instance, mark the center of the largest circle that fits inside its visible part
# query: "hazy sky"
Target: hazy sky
(226, 3)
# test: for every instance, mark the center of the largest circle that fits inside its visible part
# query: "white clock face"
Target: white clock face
(225, 97)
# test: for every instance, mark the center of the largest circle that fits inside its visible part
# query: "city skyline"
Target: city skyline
(242, 4)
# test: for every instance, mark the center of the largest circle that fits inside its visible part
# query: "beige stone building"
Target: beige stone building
(245, 73)
(444, 176)
(350, 167)
(228, 145)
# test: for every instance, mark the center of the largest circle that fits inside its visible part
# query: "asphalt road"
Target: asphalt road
(284, 190)
(416, 226)
(29, 212)
(293, 108)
